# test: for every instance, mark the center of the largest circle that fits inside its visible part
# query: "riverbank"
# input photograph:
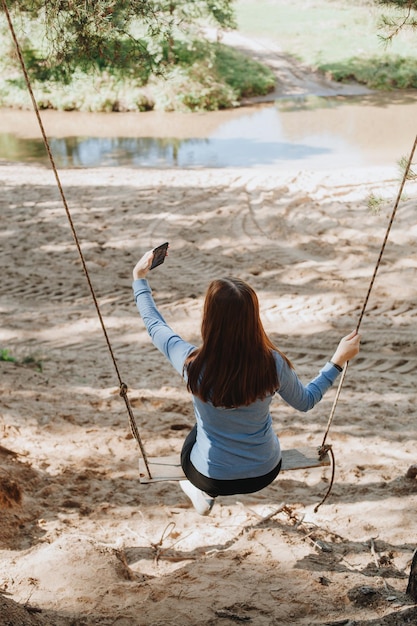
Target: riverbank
(312, 133)
(88, 543)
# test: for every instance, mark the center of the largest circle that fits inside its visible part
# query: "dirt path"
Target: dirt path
(293, 78)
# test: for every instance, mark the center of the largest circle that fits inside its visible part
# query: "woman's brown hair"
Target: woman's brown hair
(235, 365)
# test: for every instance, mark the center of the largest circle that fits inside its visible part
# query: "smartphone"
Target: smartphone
(159, 255)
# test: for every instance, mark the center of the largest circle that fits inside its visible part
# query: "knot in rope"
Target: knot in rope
(323, 450)
(123, 389)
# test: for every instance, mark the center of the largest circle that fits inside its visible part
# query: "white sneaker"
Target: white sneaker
(202, 502)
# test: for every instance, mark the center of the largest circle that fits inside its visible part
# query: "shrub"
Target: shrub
(193, 76)
(377, 73)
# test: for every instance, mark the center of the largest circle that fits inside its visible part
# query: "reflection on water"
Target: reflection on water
(92, 151)
(307, 132)
(235, 144)
(149, 152)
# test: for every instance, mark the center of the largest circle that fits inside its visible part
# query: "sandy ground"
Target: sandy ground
(82, 540)
(88, 543)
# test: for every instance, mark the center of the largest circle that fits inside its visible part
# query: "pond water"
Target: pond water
(308, 132)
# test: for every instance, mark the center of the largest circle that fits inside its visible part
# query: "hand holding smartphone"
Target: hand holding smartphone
(159, 254)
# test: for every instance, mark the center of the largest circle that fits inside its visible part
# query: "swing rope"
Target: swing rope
(326, 448)
(122, 385)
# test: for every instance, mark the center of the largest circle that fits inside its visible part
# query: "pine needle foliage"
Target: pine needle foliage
(114, 33)
(406, 17)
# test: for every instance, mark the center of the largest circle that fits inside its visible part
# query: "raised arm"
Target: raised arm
(305, 397)
(163, 337)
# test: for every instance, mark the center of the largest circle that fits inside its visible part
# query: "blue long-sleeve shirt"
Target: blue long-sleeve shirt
(239, 442)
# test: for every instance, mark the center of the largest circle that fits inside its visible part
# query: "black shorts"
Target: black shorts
(214, 487)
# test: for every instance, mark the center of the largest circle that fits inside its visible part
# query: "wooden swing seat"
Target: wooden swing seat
(169, 468)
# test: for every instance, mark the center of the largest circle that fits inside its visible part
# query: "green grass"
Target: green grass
(387, 72)
(209, 76)
(321, 29)
(340, 38)
(245, 76)
(27, 361)
(6, 356)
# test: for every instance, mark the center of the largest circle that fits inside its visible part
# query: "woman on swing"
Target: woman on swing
(232, 377)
